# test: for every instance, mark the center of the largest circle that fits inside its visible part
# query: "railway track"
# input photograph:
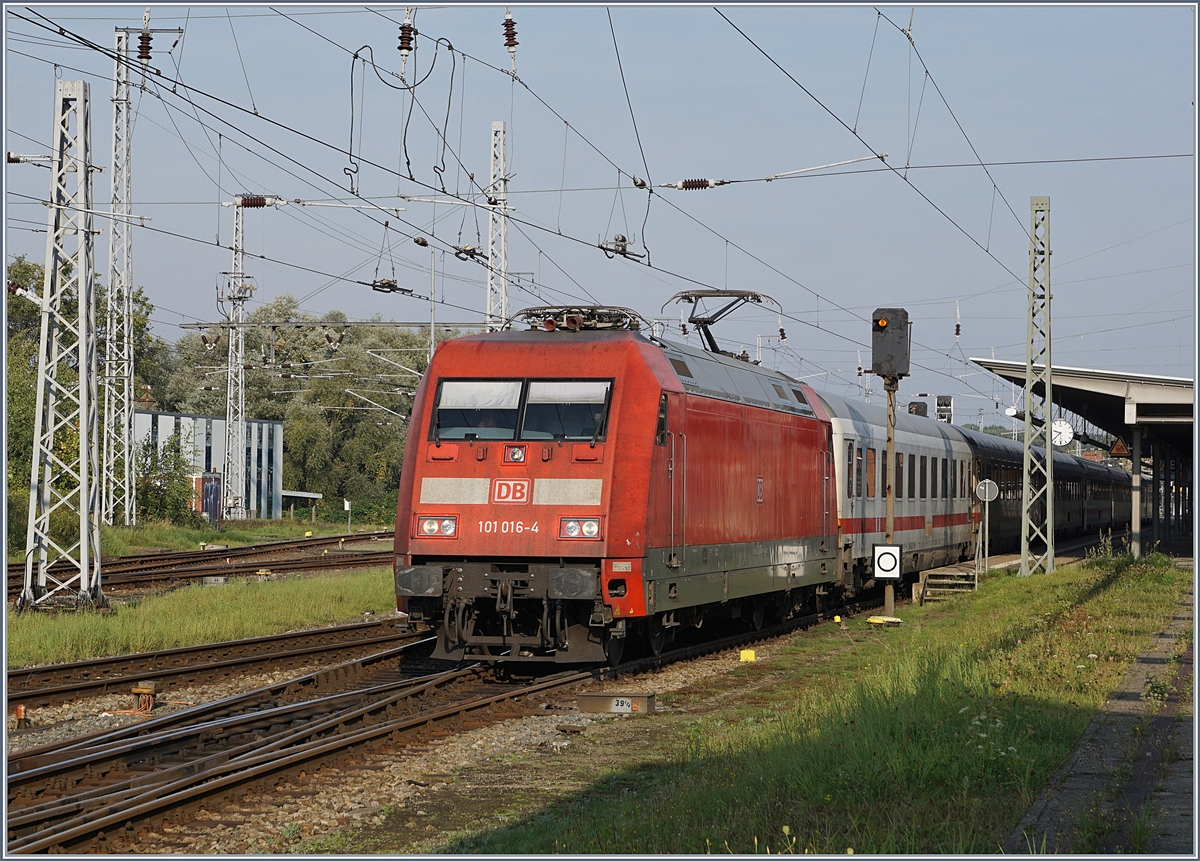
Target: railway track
(191, 665)
(279, 556)
(69, 797)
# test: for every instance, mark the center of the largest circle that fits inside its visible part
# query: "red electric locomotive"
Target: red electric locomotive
(563, 492)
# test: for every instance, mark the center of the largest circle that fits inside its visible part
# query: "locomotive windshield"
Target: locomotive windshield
(565, 410)
(478, 409)
(542, 409)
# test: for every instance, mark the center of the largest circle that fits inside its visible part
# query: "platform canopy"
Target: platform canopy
(1118, 402)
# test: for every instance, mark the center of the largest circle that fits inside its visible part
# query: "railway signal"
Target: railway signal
(890, 349)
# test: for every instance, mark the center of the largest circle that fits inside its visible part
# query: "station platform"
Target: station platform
(1128, 787)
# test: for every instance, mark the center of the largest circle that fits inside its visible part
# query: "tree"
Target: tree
(164, 484)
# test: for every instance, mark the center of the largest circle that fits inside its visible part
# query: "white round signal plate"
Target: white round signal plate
(887, 561)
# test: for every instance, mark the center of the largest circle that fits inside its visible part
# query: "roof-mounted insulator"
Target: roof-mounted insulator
(144, 40)
(510, 38)
(252, 201)
(696, 184)
(406, 46)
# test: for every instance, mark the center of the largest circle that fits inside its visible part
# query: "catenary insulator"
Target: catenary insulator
(957, 329)
(144, 46)
(694, 184)
(510, 39)
(407, 32)
(253, 201)
(782, 335)
(510, 31)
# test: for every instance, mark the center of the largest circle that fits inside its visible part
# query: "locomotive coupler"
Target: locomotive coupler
(602, 615)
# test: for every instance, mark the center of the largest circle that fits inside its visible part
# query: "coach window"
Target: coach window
(899, 476)
(870, 473)
(945, 480)
(953, 478)
(858, 482)
(933, 478)
(572, 410)
(477, 409)
(912, 476)
(924, 476)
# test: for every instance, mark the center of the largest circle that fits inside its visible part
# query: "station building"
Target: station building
(202, 441)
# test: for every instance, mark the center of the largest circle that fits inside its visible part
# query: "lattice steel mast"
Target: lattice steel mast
(118, 478)
(64, 498)
(118, 481)
(238, 290)
(1037, 508)
(497, 279)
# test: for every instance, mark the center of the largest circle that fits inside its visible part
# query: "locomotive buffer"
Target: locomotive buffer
(890, 351)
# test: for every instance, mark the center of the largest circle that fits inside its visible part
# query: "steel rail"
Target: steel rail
(146, 796)
(57, 682)
(324, 714)
(345, 559)
(319, 680)
(262, 759)
(165, 560)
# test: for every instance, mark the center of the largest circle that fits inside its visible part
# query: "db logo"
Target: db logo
(510, 490)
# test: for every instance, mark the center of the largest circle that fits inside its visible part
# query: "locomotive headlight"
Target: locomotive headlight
(579, 527)
(437, 527)
(514, 454)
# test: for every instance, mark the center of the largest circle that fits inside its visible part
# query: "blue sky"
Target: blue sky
(1004, 84)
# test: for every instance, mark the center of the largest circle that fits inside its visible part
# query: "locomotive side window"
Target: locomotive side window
(566, 410)
(660, 435)
(478, 409)
(912, 476)
(870, 473)
(924, 476)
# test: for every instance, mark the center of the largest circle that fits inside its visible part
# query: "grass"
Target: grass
(196, 614)
(934, 737)
(159, 534)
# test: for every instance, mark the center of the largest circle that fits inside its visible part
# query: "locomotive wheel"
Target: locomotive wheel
(758, 615)
(614, 648)
(656, 636)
